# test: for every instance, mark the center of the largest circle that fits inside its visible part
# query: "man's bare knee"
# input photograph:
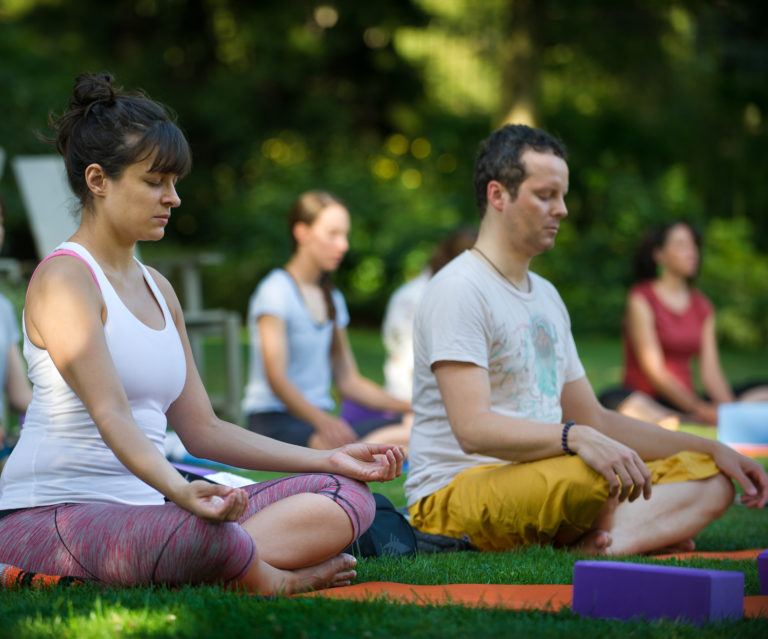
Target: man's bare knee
(717, 492)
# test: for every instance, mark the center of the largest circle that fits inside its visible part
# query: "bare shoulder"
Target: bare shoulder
(164, 285)
(62, 292)
(63, 274)
(637, 303)
(161, 279)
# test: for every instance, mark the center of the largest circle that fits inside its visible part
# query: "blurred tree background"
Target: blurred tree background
(661, 104)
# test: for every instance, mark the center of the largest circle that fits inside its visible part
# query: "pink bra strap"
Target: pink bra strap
(72, 254)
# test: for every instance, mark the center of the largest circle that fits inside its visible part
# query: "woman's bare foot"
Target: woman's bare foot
(670, 423)
(594, 542)
(337, 571)
(268, 580)
(642, 406)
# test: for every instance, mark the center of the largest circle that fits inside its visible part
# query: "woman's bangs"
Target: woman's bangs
(170, 148)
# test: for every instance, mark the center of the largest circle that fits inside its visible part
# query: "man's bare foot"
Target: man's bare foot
(686, 545)
(594, 542)
(337, 571)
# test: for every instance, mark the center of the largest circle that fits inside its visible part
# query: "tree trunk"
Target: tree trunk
(518, 63)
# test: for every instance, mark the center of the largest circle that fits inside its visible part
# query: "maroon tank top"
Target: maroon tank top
(679, 334)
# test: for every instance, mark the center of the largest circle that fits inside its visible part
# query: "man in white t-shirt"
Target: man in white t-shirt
(509, 444)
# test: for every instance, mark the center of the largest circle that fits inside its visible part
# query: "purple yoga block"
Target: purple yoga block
(197, 470)
(625, 590)
(762, 571)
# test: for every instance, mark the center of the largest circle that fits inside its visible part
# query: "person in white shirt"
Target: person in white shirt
(397, 327)
(509, 444)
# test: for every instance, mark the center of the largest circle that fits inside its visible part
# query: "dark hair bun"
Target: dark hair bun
(108, 126)
(92, 88)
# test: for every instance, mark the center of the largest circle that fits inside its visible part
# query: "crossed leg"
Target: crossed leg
(644, 407)
(674, 514)
(298, 540)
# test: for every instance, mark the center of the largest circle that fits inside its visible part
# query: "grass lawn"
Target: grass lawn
(92, 612)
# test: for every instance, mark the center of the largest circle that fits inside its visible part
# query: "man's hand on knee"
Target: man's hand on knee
(749, 474)
(626, 474)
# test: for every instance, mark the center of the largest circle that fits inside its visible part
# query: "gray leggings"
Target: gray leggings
(125, 545)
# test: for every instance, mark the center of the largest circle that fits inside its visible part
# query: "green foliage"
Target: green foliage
(735, 275)
(400, 191)
(661, 105)
(658, 128)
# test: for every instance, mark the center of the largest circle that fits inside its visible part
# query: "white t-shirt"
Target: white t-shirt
(309, 345)
(470, 314)
(397, 334)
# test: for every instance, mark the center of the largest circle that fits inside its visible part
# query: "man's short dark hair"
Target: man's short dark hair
(500, 156)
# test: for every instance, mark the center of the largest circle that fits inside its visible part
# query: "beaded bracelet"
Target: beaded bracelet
(566, 428)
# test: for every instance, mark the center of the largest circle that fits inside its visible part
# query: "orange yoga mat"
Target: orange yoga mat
(546, 598)
(736, 555)
(751, 450)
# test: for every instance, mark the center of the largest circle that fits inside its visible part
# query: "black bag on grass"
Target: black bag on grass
(390, 534)
(427, 543)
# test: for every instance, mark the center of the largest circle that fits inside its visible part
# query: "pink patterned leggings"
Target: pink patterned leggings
(124, 545)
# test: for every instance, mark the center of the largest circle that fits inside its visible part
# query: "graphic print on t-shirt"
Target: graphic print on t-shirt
(524, 363)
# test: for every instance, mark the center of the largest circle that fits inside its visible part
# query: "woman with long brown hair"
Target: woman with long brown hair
(299, 346)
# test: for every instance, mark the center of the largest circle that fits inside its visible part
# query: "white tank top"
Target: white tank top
(60, 456)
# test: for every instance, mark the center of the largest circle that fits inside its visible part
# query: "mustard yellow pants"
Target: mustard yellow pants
(499, 506)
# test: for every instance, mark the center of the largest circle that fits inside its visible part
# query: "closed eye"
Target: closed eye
(158, 181)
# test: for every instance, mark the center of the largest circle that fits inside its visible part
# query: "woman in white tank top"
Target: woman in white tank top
(110, 362)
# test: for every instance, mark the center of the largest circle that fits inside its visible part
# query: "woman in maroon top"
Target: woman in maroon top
(668, 323)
